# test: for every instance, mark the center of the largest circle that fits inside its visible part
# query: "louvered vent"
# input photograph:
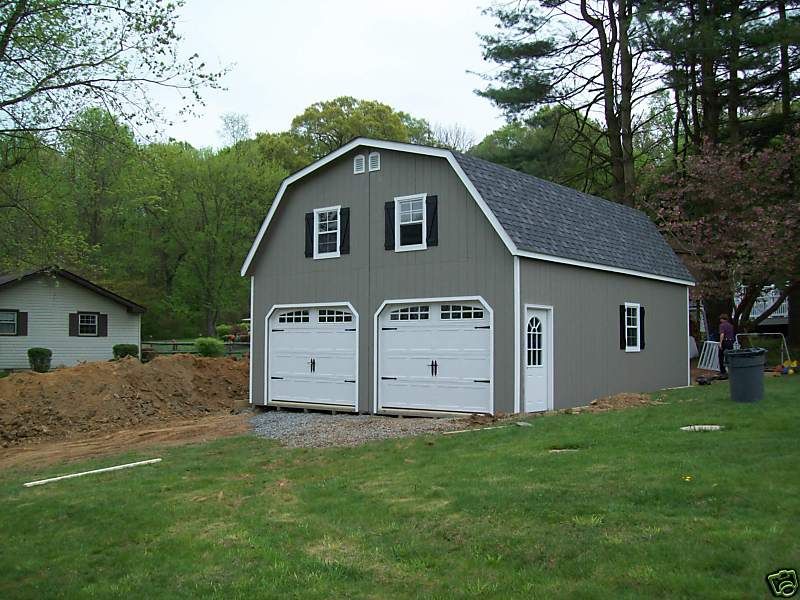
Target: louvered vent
(359, 164)
(374, 161)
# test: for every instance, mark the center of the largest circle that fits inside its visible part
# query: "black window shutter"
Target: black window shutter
(388, 225)
(102, 326)
(309, 235)
(22, 323)
(622, 340)
(344, 243)
(73, 324)
(641, 327)
(432, 219)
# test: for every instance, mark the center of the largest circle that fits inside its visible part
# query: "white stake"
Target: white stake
(116, 468)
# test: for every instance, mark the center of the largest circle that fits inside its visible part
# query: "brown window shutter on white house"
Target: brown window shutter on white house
(73, 324)
(102, 325)
(22, 323)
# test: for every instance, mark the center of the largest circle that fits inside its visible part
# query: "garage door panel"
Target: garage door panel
(331, 379)
(461, 348)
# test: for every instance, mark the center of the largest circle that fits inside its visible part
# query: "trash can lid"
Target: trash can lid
(744, 352)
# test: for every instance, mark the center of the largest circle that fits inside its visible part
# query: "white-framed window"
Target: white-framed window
(328, 315)
(457, 311)
(326, 232)
(8, 322)
(87, 324)
(534, 346)
(633, 325)
(410, 313)
(410, 223)
(359, 164)
(293, 316)
(374, 161)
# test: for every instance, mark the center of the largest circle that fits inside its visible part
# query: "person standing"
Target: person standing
(726, 339)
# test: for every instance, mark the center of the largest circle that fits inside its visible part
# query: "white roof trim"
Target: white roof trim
(447, 155)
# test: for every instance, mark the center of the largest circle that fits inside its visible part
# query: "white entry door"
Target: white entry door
(537, 360)
(435, 356)
(312, 356)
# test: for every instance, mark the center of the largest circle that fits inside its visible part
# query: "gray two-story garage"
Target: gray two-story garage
(391, 277)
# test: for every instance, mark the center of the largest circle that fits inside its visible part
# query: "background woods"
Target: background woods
(687, 109)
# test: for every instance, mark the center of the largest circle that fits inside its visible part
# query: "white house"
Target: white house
(75, 318)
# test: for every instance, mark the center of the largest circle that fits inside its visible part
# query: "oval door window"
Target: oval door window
(534, 342)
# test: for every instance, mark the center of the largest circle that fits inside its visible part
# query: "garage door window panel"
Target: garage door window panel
(410, 313)
(455, 311)
(294, 316)
(334, 316)
(326, 232)
(410, 221)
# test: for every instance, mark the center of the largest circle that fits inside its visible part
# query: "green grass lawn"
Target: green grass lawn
(641, 510)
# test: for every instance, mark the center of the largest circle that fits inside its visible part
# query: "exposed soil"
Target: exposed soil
(617, 402)
(103, 397)
(174, 433)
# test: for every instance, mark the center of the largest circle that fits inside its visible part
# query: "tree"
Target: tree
(59, 56)
(734, 215)
(579, 56)
(325, 126)
(235, 128)
(542, 146)
(454, 137)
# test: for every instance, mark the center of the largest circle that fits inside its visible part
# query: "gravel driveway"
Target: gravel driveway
(319, 429)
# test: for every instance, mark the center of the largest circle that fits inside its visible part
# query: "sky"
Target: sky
(285, 55)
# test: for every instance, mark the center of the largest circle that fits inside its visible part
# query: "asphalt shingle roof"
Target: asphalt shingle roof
(547, 218)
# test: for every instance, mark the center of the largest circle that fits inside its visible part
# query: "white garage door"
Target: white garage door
(312, 356)
(435, 356)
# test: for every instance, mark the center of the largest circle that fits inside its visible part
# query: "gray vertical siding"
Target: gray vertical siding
(588, 361)
(469, 260)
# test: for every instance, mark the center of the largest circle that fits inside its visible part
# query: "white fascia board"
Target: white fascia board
(597, 267)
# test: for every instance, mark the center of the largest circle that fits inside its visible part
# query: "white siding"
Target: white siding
(48, 302)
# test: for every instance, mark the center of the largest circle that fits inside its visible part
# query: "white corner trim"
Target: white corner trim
(551, 345)
(252, 335)
(451, 159)
(688, 341)
(275, 307)
(517, 338)
(376, 328)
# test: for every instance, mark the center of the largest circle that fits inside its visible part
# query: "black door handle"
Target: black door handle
(313, 364)
(433, 366)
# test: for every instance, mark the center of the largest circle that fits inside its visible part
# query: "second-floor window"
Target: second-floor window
(410, 223)
(326, 232)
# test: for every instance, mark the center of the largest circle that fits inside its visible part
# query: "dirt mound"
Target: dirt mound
(108, 396)
(619, 401)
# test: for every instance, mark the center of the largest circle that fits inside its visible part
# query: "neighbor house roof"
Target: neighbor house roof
(538, 219)
(7, 280)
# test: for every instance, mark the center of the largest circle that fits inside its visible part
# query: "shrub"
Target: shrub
(224, 330)
(123, 350)
(208, 346)
(39, 359)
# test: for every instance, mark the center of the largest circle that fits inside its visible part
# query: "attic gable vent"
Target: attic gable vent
(359, 164)
(374, 161)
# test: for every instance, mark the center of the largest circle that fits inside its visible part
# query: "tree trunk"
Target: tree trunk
(624, 16)
(786, 80)
(733, 75)
(709, 91)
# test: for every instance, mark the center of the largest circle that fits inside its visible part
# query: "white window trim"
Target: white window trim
(16, 322)
(336, 254)
(369, 161)
(424, 244)
(638, 346)
(363, 169)
(96, 324)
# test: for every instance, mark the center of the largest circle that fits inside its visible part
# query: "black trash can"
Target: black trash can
(746, 373)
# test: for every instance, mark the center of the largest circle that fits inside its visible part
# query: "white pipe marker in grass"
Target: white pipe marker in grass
(106, 469)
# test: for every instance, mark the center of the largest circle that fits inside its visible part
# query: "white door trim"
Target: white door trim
(376, 328)
(252, 335)
(550, 351)
(304, 305)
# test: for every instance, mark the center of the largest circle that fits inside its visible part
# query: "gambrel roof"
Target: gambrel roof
(539, 219)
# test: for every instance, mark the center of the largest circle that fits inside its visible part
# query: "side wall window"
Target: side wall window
(631, 327)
